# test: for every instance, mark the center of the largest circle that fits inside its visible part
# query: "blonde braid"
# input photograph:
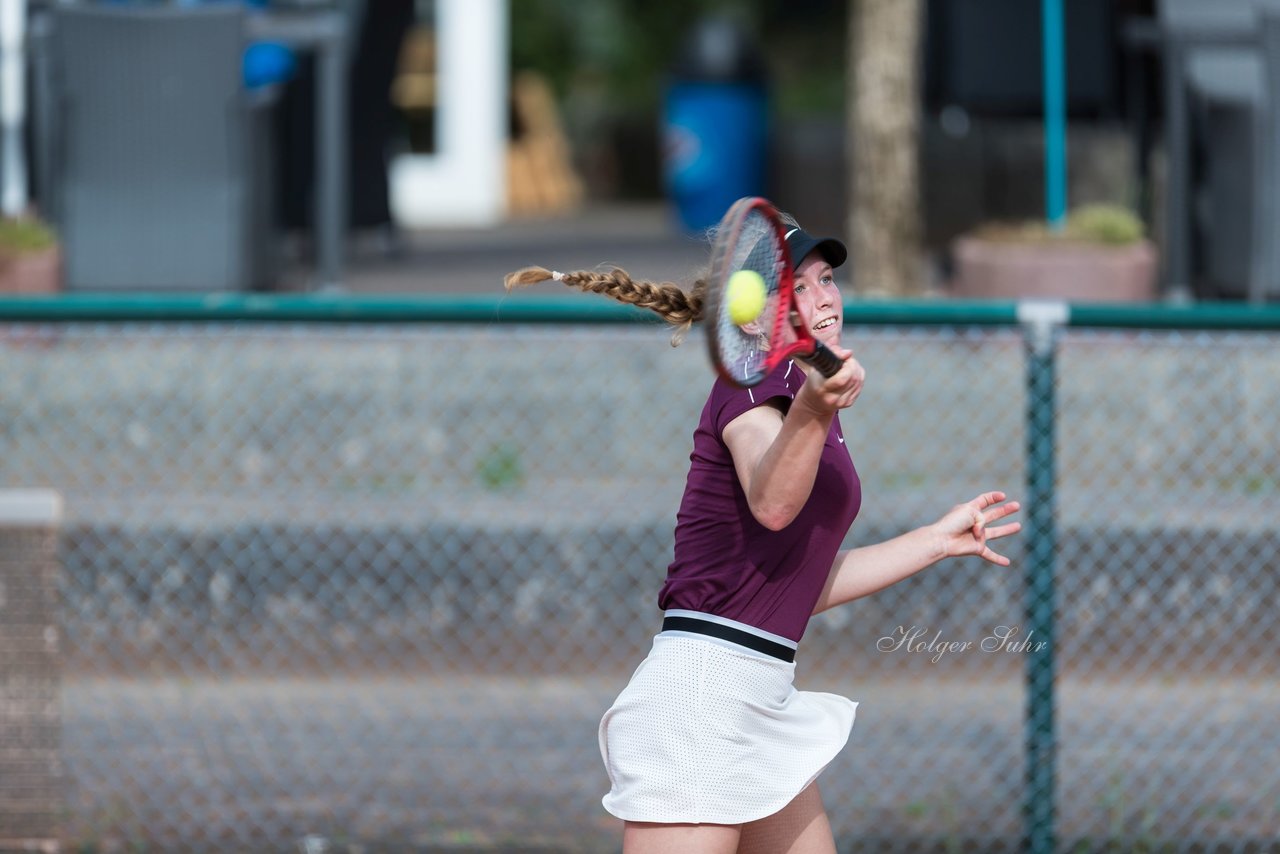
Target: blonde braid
(666, 299)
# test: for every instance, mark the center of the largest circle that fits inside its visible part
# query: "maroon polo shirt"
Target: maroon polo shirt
(728, 564)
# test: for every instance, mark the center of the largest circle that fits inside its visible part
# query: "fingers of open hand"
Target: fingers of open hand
(986, 499)
(993, 557)
(988, 509)
(1003, 530)
(971, 525)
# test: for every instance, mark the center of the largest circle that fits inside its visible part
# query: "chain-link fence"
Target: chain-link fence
(370, 586)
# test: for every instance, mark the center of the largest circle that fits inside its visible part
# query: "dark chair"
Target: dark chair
(161, 157)
(1222, 69)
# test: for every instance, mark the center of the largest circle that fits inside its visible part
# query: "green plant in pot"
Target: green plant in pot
(1101, 254)
(30, 261)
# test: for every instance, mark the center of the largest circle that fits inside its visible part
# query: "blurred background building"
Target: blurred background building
(439, 115)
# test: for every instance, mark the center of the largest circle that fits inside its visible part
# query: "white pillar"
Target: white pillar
(464, 183)
(13, 180)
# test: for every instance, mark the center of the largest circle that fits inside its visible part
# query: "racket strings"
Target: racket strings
(743, 349)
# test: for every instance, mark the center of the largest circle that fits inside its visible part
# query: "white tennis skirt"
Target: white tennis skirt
(711, 732)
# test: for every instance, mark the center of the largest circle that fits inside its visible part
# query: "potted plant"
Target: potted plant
(1102, 254)
(30, 261)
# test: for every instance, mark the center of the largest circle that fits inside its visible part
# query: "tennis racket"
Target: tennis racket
(751, 236)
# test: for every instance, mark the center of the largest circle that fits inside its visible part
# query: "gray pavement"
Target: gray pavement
(436, 763)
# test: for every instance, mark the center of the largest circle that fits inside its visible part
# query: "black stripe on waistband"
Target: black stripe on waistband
(729, 633)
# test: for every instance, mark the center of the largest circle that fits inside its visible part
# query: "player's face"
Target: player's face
(819, 305)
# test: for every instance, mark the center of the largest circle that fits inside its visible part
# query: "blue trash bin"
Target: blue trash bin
(716, 124)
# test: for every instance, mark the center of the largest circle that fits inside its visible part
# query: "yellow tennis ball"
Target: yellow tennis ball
(745, 295)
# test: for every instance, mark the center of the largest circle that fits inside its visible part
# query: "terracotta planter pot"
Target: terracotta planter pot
(1079, 272)
(31, 273)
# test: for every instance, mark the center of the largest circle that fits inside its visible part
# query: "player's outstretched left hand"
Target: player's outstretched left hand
(963, 530)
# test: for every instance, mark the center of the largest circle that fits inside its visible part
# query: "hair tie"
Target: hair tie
(557, 275)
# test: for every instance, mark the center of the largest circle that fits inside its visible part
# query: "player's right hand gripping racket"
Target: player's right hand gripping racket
(751, 236)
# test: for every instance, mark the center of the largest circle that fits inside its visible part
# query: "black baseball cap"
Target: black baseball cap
(800, 243)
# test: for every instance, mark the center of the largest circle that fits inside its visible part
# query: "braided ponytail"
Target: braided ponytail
(666, 299)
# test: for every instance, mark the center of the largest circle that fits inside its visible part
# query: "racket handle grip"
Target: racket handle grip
(826, 361)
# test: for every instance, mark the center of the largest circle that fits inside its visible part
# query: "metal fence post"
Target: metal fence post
(1040, 321)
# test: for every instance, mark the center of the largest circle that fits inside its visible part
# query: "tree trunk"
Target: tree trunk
(884, 130)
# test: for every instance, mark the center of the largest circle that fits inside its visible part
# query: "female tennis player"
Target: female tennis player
(710, 748)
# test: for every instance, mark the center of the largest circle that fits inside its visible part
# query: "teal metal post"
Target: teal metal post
(1041, 328)
(1055, 112)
